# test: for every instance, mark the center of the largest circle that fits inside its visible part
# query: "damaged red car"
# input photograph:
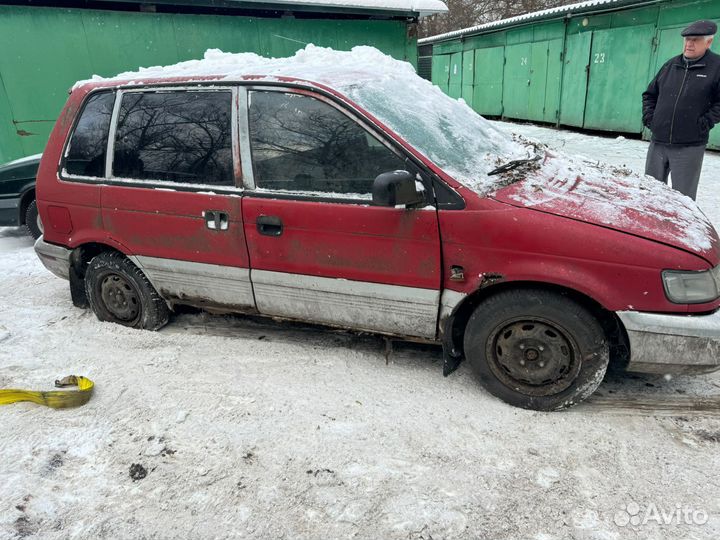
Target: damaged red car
(339, 188)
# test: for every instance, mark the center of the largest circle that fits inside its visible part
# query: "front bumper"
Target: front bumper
(55, 258)
(672, 344)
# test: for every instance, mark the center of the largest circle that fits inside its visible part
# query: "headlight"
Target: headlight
(682, 287)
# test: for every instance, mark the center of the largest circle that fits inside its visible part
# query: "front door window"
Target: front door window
(302, 144)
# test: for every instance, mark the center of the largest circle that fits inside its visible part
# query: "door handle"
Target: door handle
(216, 220)
(269, 225)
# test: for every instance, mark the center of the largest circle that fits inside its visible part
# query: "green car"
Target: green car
(17, 195)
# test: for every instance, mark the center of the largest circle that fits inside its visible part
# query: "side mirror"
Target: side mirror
(395, 188)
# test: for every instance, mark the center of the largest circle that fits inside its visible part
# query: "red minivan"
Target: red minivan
(342, 189)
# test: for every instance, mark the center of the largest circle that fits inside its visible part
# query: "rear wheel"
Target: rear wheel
(32, 220)
(119, 292)
(536, 349)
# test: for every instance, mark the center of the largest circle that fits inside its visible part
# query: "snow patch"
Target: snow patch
(547, 477)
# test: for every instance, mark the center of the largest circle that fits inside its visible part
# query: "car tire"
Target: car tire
(32, 220)
(536, 349)
(119, 292)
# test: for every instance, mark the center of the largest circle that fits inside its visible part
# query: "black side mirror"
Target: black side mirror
(395, 188)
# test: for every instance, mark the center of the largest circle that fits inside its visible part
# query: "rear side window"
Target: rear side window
(179, 136)
(87, 150)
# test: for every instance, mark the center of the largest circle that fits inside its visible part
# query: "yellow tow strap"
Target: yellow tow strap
(57, 399)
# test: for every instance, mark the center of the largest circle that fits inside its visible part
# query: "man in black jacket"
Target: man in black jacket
(680, 106)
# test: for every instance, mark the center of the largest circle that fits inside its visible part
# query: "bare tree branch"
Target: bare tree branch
(466, 13)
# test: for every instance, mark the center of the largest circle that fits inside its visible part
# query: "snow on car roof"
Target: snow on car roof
(314, 64)
(445, 130)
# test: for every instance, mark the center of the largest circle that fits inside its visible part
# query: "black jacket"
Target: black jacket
(682, 103)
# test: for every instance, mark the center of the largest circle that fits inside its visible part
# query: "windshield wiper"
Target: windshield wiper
(514, 164)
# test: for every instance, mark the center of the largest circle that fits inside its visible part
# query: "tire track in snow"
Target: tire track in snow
(651, 405)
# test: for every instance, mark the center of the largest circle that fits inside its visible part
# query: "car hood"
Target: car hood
(20, 168)
(614, 198)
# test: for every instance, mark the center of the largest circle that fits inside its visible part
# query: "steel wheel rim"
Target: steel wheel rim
(120, 298)
(534, 356)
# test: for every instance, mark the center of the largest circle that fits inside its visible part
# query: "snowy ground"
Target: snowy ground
(264, 430)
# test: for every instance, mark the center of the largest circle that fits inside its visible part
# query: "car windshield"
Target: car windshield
(445, 130)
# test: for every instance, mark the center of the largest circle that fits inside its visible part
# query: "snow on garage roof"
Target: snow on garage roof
(416, 7)
(423, 7)
(580, 7)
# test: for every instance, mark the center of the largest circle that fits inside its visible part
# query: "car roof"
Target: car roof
(200, 80)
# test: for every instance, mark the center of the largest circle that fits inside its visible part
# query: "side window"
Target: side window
(178, 136)
(303, 144)
(88, 145)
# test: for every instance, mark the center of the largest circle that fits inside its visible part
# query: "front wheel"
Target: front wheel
(119, 292)
(536, 349)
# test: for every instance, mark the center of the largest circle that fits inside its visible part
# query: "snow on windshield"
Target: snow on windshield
(445, 130)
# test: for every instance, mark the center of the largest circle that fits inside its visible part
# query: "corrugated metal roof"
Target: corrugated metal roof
(569, 9)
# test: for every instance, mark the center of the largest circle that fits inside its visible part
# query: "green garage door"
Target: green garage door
(545, 68)
(441, 71)
(531, 85)
(516, 81)
(455, 89)
(670, 43)
(553, 83)
(468, 62)
(575, 79)
(488, 88)
(538, 78)
(614, 100)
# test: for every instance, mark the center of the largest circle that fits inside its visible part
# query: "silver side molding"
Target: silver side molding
(360, 305)
(198, 282)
